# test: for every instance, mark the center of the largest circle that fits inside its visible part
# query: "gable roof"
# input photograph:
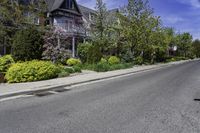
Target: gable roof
(55, 4)
(86, 9)
(49, 4)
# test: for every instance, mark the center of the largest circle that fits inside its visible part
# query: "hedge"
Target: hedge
(32, 71)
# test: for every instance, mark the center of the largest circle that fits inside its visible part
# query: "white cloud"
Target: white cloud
(193, 3)
(173, 19)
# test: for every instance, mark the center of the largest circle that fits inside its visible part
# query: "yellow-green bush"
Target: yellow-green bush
(73, 62)
(31, 71)
(5, 62)
(103, 60)
(113, 60)
(138, 60)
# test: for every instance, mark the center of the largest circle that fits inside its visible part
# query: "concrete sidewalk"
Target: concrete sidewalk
(8, 90)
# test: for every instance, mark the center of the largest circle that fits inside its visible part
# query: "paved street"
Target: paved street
(157, 101)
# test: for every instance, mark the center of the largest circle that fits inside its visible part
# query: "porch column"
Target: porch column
(73, 47)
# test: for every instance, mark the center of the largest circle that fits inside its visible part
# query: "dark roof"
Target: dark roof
(86, 9)
(50, 4)
(114, 10)
(55, 4)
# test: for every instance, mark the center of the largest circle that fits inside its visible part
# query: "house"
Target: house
(75, 21)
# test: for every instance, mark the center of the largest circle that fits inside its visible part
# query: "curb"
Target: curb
(49, 88)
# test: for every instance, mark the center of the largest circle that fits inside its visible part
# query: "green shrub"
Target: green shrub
(68, 70)
(171, 60)
(121, 66)
(88, 66)
(73, 62)
(101, 67)
(32, 71)
(138, 61)
(180, 58)
(103, 60)
(5, 62)
(89, 53)
(113, 60)
(117, 67)
(63, 74)
(77, 69)
(127, 56)
(27, 44)
(83, 51)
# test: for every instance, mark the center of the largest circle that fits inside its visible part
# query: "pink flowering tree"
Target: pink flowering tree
(56, 45)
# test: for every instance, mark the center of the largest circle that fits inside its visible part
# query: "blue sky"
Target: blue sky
(183, 15)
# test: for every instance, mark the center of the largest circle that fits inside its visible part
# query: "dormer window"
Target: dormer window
(68, 4)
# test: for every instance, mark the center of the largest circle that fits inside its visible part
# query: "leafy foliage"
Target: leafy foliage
(83, 51)
(13, 17)
(27, 44)
(184, 43)
(196, 48)
(77, 69)
(105, 66)
(73, 62)
(5, 62)
(102, 67)
(103, 60)
(63, 74)
(139, 60)
(113, 60)
(89, 53)
(32, 71)
(55, 42)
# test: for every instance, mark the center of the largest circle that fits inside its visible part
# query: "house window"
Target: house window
(68, 4)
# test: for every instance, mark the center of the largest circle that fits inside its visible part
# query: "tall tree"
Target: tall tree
(16, 15)
(101, 19)
(100, 30)
(196, 47)
(134, 22)
(184, 43)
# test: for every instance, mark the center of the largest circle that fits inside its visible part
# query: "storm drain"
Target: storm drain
(48, 93)
(42, 94)
(197, 100)
(61, 90)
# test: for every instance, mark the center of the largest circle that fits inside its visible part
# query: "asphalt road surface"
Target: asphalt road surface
(157, 101)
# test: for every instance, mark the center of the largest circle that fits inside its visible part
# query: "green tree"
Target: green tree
(196, 47)
(100, 32)
(184, 42)
(138, 26)
(101, 23)
(27, 44)
(16, 15)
